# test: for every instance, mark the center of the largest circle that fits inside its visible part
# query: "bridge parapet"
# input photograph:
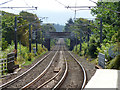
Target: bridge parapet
(59, 34)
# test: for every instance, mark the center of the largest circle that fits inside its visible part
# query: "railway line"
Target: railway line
(58, 69)
(31, 72)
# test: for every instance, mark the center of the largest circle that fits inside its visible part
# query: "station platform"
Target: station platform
(104, 79)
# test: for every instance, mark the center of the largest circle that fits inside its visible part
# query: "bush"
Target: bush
(92, 50)
(67, 41)
(4, 44)
(115, 63)
(40, 49)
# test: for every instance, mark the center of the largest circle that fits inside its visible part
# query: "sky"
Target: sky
(53, 10)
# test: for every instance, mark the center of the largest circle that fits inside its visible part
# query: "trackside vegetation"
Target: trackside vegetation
(88, 34)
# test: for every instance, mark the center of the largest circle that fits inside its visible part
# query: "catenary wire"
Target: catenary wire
(6, 2)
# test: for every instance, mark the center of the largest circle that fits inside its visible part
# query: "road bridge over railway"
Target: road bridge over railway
(50, 35)
(60, 34)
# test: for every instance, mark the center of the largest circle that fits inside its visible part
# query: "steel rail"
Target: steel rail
(84, 72)
(41, 75)
(23, 74)
(49, 80)
(20, 76)
(64, 75)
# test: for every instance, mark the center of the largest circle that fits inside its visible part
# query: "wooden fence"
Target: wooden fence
(7, 64)
(3, 66)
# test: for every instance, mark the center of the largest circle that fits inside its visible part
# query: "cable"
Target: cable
(60, 3)
(6, 2)
(63, 4)
(26, 3)
(28, 6)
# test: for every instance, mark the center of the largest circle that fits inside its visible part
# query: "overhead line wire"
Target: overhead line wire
(6, 2)
(63, 4)
(29, 6)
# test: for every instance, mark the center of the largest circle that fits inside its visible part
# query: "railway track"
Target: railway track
(53, 75)
(26, 73)
(65, 79)
(63, 71)
(77, 76)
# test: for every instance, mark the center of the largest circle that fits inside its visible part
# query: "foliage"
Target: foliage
(67, 41)
(8, 21)
(52, 42)
(23, 52)
(48, 28)
(4, 44)
(68, 25)
(110, 30)
(31, 18)
(115, 63)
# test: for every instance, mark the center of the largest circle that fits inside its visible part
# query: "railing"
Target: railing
(7, 64)
(3, 66)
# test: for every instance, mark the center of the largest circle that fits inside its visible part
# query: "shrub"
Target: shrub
(92, 50)
(4, 44)
(115, 63)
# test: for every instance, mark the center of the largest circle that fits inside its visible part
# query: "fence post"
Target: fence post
(2, 66)
(5, 64)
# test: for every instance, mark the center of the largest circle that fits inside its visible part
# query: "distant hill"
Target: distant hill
(58, 27)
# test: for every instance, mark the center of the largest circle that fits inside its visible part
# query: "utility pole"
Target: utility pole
(88, 33)
(100, 31)
(80, 43)
(76, 42)
(15, 38)
(36, 41)
(42, 39)
(30, 38)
